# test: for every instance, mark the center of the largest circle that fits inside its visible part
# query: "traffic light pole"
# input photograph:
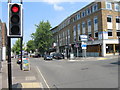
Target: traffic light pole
(9, 65)
(21, 50)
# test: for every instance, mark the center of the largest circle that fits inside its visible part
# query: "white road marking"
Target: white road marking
(28, 78)
(42, 77)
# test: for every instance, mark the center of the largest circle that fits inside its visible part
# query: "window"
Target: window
(110, 33)
(117, 7)
(94, 7)
(74, 28)
(89, 22)
(108, 5)
(90, 35)
(78, 30)
(118, 32)
(83, 14)
(109, 18)
(78, 16)
(109, 48)
(83, 25)
(88, 11)
(95, 20)
(96, 34)
(117, 19)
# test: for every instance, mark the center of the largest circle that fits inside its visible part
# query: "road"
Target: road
(77, 74)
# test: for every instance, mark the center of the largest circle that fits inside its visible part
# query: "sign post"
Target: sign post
(9, 64)
(84, 39)
(15, 30)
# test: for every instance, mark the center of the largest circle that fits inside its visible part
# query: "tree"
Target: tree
(42, 37)
(30, 46)
(16, 47)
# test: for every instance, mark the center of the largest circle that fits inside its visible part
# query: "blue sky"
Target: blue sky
(34, 12)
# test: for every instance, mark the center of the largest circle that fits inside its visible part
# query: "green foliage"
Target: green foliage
(30, 46)
(16, 47)
(42, 37)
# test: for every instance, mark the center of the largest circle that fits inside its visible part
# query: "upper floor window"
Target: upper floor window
(118, 32)
(96, 34)
(108, 5)
(117, 19)
(83, 14)
(117, 7)
(89, 22)
(94, 7)
(78, 16)
(83, 25)
(74, 28)
(109, 18)
(95, 20)
(0, 28)
(110, 33)
(88, 11)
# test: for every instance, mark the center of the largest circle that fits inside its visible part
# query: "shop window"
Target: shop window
(117, 48)
(109, 48)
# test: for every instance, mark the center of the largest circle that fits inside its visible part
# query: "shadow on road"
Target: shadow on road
(117, 63)
(17, 86)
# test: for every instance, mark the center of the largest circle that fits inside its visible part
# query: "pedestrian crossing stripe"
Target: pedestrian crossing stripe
(101, 58)
(30, 78)
(32, 85)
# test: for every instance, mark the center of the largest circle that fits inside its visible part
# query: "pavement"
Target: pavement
(93, 58)
(20, 78)
(29, 79)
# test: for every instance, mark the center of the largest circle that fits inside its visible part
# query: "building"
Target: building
(100, 21)
(0, 44)
(4, 39)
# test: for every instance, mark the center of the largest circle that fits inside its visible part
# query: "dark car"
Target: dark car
(47, 57)
(58, 56)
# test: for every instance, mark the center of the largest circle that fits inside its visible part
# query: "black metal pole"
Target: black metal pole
(9, 65)
(9, 1)
(21, 2)
(21, 50)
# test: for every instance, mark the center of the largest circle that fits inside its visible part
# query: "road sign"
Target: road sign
(26, 64)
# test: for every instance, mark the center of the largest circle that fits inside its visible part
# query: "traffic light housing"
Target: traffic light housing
(15, 20)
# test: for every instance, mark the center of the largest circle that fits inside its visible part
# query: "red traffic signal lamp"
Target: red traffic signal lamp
(15, 8)
(15, 20)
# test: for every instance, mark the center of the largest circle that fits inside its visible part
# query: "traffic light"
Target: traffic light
(15, 20)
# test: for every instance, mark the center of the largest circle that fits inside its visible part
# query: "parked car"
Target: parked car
(48, 57)
(58, 56)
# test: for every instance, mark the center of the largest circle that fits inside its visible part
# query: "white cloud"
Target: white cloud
(58, 8)
(52, 1)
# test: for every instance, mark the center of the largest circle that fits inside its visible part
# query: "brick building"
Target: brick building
(100, 21)
(0, 45)
(3, 39)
